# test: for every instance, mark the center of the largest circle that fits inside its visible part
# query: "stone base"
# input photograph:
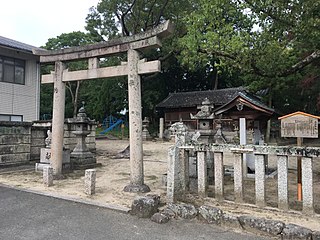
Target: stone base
(83, 160)
(136, 188)
(85, 166)
(146, 135)
(59, 177)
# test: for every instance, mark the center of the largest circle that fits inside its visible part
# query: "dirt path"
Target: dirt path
(112, 177)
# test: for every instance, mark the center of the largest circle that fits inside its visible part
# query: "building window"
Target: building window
(11, 118)
(12, 70)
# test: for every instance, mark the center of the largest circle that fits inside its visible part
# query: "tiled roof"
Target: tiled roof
(255, 100)
(193, 99)
(7, 42)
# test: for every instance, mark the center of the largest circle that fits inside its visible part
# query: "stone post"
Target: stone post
(90, 181)
(161, 127)
(260, 178)
(58, 119)
(283, 200)
(47, 176)
(135, 126)
(238, 177)
(173, 174)
(307, 185)
(243, 141)
(218, 176)
(202, 174)
(243, 131)
(183, 171)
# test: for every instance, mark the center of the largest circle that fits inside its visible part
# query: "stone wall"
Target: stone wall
(20, 142)
(38, 136)
(15, 142)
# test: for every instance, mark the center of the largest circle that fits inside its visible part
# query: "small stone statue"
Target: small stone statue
(48, 139)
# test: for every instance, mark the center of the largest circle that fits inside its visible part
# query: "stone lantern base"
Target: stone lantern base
(83, 160)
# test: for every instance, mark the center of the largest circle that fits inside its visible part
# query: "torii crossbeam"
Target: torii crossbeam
(133, 68)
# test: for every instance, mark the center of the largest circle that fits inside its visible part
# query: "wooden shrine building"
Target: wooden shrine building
(229, 105)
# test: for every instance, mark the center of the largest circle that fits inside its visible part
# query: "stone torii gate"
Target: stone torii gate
(133, 68)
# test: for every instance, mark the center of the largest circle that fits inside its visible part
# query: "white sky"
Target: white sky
(35, 21)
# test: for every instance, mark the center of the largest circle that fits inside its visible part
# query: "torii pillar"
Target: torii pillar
(59, 94)
(135, 126)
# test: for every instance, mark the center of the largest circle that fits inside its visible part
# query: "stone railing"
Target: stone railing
(178, 179)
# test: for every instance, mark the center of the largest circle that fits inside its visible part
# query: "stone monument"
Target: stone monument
(45, 156)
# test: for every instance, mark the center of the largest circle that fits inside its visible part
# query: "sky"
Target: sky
(35, 21)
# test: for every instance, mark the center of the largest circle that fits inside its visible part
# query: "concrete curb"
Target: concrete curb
(112, 207)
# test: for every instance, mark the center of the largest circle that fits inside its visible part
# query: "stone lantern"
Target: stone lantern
(145, 132)
(205, 121)
(205, 127)
(81, 157)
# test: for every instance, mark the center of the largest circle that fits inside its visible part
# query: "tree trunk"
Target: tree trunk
(216, 81)
(216, 77)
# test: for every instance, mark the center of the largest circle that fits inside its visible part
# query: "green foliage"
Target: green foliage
(114, 18)
(273, 45)
(66, 40)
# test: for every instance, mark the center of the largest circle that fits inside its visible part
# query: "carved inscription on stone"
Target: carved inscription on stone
(299, 126)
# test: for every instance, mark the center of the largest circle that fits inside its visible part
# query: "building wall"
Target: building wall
(17, 99)
(183, 114)
(229, 124)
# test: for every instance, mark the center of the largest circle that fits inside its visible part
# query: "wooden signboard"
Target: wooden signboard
(299, 124)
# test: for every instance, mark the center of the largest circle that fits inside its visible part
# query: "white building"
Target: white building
(19, 81)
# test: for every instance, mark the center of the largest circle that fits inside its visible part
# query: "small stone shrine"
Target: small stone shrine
(45, 156)
(81, 157)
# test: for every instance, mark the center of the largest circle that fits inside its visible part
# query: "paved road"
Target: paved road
(31, 216)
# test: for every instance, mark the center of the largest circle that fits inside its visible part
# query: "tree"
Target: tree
(273, 44)
(114, 19)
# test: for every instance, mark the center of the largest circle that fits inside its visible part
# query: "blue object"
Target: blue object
(117, 123)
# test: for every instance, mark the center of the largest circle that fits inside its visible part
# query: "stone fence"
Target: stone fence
(178, 177)
(20, 142)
